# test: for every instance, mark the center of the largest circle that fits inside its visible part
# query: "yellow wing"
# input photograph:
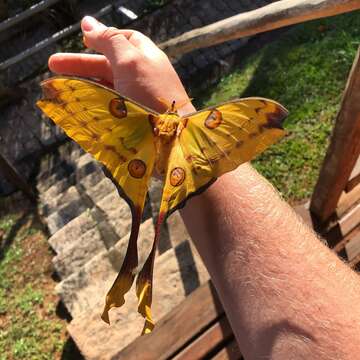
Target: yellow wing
(209, 143)
(218, 139)
(117, 132)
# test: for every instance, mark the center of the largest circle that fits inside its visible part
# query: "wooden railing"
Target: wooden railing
(273, 16)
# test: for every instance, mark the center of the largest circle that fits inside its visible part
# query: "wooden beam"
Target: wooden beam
(352, 247)
(350, 220)
(269, 17)
(343, 151)
(184, 323)
(354, 177)
(347, 201)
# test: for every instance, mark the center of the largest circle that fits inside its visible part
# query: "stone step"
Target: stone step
(88, 184)
(177, 273)
(45, 183)
(78, 253)
(100, 190)
(91, 180)
(72, 231)
(83, 160)
(101, 236)
(57, 188)
(80, 282)
(50, 205)
(66, 213)
(89, 285)
(87, 177)
(117, 213)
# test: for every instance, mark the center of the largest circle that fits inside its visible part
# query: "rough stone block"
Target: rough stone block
(58, 188)
(116, 211)
(65, 214)
(100, 190)
(46, 183)
(83, 160)
(86, 170)
(91, 180)
(176, 273)
(72, 231)
(52, 204)
(78, 253)
(88, 286)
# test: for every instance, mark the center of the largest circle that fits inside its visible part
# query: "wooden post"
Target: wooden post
(10, 173)
(343, 151)
(269, 17)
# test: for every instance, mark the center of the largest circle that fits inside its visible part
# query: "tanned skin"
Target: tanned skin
(286, 295)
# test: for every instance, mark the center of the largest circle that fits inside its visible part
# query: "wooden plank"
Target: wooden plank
(355, 262)
(230, 352)
(354, 177)
(343, 151)
(347, 201)
(269, 17)
(353, 247)
(350, 220)
(213, 337)
(340, 246)
(178, 328)
(42, 5)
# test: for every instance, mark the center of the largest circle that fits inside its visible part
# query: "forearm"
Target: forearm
(285, 294)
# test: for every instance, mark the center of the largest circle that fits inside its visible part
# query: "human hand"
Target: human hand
(129, 62)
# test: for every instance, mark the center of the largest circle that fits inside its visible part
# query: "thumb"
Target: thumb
(106, 40)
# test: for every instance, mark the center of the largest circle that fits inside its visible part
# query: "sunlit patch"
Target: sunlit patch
(117, 108)
(177, 176)
(137, 168)
(213, 120)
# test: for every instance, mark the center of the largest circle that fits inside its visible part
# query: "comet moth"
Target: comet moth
(132, 141)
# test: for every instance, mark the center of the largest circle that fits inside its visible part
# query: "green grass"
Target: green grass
(306, 71)
(29, 326)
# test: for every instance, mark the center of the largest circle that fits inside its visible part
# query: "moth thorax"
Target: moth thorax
(168, 124)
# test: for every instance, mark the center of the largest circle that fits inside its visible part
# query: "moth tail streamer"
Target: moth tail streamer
(125, 278)
(144, 282)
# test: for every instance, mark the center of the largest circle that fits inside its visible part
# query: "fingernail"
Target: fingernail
(89, 23)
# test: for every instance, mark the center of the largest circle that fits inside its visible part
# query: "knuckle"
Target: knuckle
(109, 33)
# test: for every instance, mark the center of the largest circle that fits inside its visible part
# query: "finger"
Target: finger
(84, 65)
(107, 40)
